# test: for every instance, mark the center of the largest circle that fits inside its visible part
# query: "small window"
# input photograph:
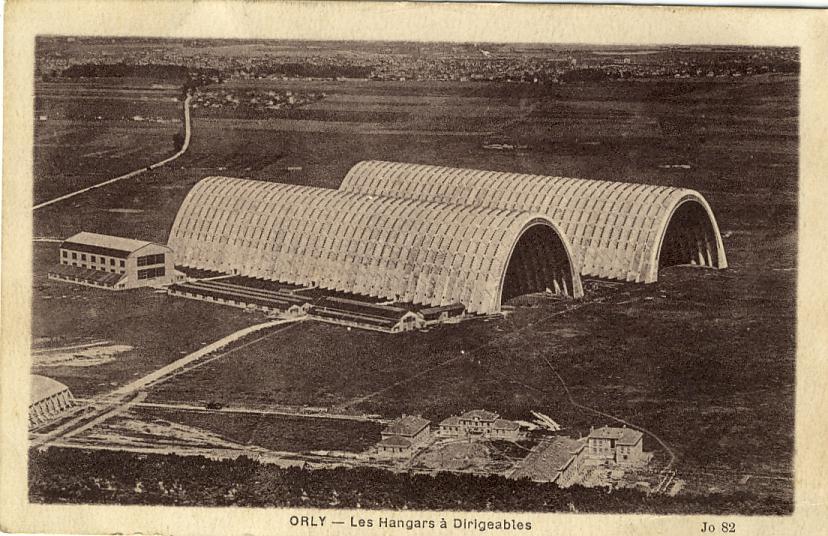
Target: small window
(63, 253)
(112, 262)
(83, 256)
(122, 263)
(74, 255)
(92, 258)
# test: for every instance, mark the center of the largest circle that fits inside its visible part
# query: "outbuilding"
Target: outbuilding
(619, 445)
(410, 427)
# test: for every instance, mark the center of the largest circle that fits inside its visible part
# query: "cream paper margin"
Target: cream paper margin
(24, 20)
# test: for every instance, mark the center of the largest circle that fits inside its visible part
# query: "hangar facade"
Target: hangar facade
(422, 252)
(622, 231)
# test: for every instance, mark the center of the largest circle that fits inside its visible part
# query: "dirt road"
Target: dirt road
(184, 146)
(110, 404)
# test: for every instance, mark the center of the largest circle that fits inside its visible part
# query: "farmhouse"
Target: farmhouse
(404, 436)
(619, 445)
(618, 230)
(395, 447)
(479, 423)
(403, 250)
(411, 427)
(114, 263)
(48, 400)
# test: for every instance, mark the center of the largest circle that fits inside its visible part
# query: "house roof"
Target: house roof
(502, 424)
(98, 244)
(395, 441)
(606, 432)
(480, 414)
(624, 436)
(107, 241)
(630, 437)
(407, 425)
(454, 420)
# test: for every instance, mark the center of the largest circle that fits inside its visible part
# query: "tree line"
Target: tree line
(103, 477)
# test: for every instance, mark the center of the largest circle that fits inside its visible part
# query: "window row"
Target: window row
(90, 267)
(151, 273)
(149, 260)
(92, 258)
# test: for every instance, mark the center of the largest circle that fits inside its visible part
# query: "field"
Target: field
(150, 328)
(86, 133)
(704, 359)
(293, 434)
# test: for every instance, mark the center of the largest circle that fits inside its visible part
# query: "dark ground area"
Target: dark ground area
(159, 329)
(112, 478)
(86, 133)
(276, 432)
(704, 359)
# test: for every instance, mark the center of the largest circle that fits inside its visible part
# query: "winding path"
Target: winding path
(184, 146)
(614, 418)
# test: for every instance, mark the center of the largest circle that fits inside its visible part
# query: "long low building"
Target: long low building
(428, 253)
(618, 230)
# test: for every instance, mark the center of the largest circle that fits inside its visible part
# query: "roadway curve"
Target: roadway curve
(102, 407)
(184, 146)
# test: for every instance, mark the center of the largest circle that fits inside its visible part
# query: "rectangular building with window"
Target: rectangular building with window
(114, 263)
(619, 445)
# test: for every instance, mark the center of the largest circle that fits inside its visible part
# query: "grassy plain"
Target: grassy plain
(158, 329)
(293, 434)
(88, 132)
(704, 359)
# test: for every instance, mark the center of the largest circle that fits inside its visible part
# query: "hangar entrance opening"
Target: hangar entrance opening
(689, 239)
(538, 262)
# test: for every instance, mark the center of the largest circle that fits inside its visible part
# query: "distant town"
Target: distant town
(417, 62)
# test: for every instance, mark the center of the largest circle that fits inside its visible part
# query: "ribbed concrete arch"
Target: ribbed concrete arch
(617, 230)
(422, 252)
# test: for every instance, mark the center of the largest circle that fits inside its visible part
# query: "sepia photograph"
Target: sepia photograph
(393, 275)
(377, 266)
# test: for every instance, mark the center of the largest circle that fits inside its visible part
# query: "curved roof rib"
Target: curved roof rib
(617, 230)
(43, 388)
(416, 251)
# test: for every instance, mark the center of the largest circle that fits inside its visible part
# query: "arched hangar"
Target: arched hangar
(48, 399)
(415, 251)
(618, 230)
